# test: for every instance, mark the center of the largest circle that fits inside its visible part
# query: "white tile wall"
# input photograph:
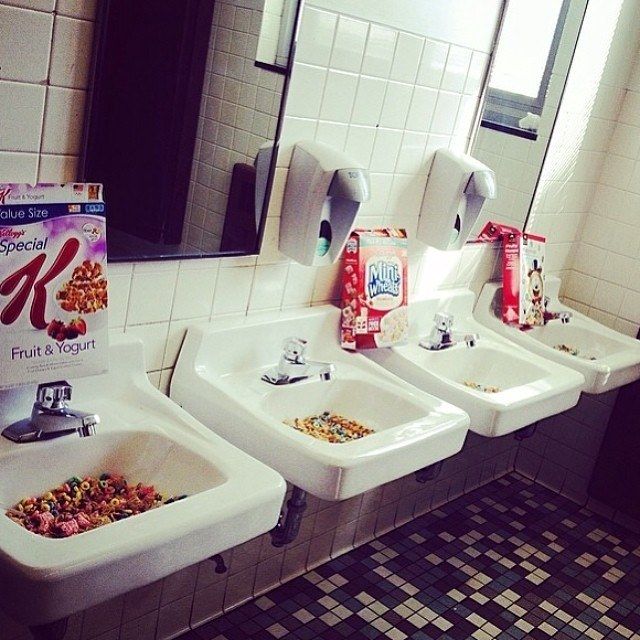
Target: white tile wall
(44, 56)
(604, 280)
(184, 292)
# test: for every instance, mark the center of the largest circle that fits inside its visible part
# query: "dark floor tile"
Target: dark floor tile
(511, 557)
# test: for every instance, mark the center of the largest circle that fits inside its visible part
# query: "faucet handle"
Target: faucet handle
(294, 349)
(54, 395)
(443, 321)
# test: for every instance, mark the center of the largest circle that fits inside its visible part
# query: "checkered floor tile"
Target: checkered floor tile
(511, 560)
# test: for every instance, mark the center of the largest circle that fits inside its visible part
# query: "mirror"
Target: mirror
(187, 159)
(276, 32)
(183, 139)
(526, 82)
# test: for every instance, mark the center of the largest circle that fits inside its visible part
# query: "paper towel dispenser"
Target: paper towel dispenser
(322, 196)
(457, 187)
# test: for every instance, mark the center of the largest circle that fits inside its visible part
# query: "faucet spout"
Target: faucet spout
(51, 417)
(442, 335)
(293, 366)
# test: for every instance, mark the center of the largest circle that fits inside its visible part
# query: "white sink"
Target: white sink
(218, 380)
(148, 439)
(607, 359)
(513, 387)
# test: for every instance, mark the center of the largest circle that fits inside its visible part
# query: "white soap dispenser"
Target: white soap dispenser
(322, 196)
(457, 187)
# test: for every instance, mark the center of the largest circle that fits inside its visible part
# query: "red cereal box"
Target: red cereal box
(374, 289)
(523, 279)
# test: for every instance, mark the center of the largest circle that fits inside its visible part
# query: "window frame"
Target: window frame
(514, 105)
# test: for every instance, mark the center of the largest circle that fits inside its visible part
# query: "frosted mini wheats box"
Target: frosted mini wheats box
(374, 289)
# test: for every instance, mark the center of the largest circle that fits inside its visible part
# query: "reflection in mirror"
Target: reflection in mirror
(276, 33)
(186, 159)
(527, 79)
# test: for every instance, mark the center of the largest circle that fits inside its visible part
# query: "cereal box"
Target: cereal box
(374, 289)
(53, 282)
(523, 279)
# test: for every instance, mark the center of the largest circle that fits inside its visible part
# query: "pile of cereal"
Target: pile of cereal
(572, 351)
(82, 504)
(86, 292)
(330, 427)
(481, 387)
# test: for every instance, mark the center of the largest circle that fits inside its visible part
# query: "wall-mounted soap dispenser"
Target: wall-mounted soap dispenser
(456, 189)
(322, 196)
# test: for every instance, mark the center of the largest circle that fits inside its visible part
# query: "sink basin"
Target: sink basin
(218, 380)
(149, 439)
(607, 359)
(513, 388)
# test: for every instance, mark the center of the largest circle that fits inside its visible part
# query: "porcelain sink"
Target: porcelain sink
(512, 388)
(149, 439)
(607, 359)
(218, 380)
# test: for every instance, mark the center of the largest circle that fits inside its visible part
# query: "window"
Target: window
(522, 65)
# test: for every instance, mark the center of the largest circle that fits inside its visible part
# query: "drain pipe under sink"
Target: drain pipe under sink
(288, 527)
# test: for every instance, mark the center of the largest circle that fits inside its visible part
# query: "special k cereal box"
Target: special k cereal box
(53, 282)
(374, 289)
(523, 279)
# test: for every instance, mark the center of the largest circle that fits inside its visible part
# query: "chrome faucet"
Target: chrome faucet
(563, 316)
(442, 336)
(51, 417)
(293, 366)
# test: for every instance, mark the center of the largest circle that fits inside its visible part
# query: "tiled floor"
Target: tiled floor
(510, 560)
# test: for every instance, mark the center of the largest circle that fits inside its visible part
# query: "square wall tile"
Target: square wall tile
(423, 104)
(432, 64)
(456, 70)
(446, 112)
(54, 168)
(368, 101)
(151, 296)
(349, 44)
(143, 628)
(194, 292)
(385, 150)
(339, 95)
(71, 52)
(268, 287)
(306, 89)
(154, 340)
(174, 618)
(25, 38)
(207, 603)
(379, 50)
(39, 5)
(233, 289)
(64, 121)
(406, 58)
(21, 113)
(396, 105)
(83, 9)
(359, 145)
(19, 167)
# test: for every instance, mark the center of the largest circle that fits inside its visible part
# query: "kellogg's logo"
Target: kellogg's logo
(3, 194)
(384, 277)
(9, 232)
